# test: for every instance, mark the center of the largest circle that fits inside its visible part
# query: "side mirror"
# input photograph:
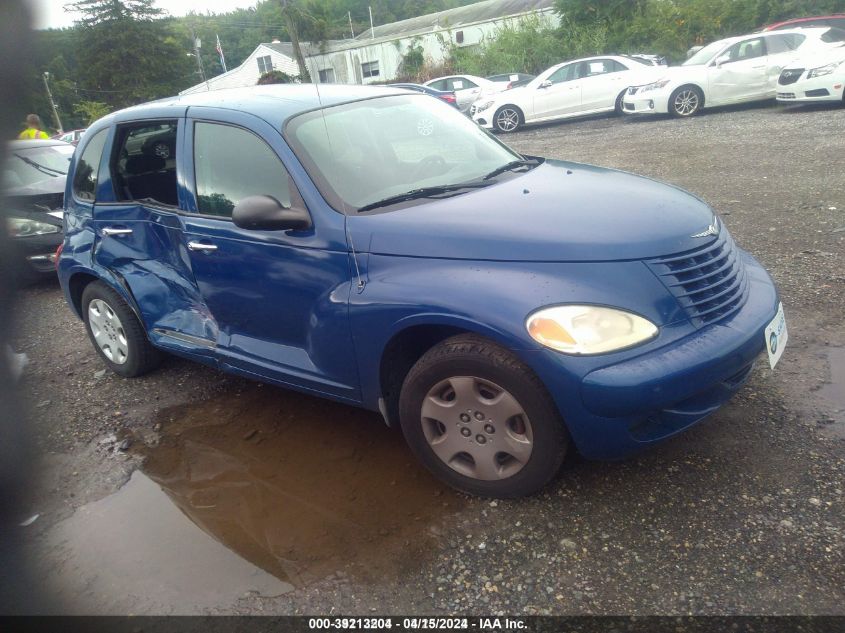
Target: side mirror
(724, 59)
(545, 84)
(265, 213)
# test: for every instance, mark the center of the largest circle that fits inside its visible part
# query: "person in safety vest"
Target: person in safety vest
(33, 129)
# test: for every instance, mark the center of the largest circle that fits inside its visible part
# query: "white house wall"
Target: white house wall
(389, 53)
(247, 74)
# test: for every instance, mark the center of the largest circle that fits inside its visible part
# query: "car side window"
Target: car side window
(597, 67)
(231, 164)
(440, 84)
(834, 34)
(749, 49)
(564, 73)
(144, 162)
(85, 177)
(461, 84)
(783, 43)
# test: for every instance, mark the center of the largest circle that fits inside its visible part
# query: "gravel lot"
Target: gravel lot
(743, 514)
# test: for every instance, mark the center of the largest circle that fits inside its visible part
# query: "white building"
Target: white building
(376, 55)
(273, 56)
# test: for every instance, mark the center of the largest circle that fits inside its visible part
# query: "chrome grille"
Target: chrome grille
(709, 282)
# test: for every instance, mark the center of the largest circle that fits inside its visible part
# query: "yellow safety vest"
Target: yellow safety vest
(31, 133)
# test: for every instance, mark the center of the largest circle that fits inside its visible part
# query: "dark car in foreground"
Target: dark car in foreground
(33, 185)
(376, 247)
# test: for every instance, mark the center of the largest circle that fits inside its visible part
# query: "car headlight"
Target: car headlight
(657, 85)
(584, 330)
(821, 71)
(23, 227)
(484, 106)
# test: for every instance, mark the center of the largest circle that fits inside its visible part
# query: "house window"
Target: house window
(369, 69)
(265, 64)
(327, 76)
(459, 37)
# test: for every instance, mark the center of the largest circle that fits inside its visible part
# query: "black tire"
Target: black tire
(619, 108)
(484, 361)
(140, 357)
(686, 101)
(511, 119)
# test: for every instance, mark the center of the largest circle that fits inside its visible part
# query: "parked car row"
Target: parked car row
(757, 66)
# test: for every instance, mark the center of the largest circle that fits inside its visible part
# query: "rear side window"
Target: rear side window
(834, 34)
(232, 164)
(784, 43)
(144, 162)
(85, 177)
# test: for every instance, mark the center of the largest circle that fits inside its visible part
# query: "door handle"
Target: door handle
(112, 232)
(758, 67)
(201, 246)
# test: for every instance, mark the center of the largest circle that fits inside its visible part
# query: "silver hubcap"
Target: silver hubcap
(507, 120)
(108, 331)
(686, 102)
(477, 428)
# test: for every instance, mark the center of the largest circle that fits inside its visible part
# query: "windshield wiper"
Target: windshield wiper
(42, 168)
(423, 192)
(514, 164)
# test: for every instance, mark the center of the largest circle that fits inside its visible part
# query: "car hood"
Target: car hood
(46, 194)
(559, 211)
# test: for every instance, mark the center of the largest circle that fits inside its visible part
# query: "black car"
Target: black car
(33, 183)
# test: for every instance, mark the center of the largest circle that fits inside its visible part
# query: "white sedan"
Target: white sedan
(576, 88)
(814, 78)
(733, 70)
(467, 88)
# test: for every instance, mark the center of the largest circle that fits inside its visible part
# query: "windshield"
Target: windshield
(705, 54)
(31, 165)
(367, 151)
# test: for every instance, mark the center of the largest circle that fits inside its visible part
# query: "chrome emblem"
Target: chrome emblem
(713, 229)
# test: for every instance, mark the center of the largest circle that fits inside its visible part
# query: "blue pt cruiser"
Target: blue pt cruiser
(376, 247)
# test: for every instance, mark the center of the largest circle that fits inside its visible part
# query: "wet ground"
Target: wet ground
(190, 491)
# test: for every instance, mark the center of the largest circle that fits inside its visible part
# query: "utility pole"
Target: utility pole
(349, 13)
(372, 28)
(290, 24)
(56, 118)
(197, 46)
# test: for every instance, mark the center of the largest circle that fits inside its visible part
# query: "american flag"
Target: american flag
(220, 52)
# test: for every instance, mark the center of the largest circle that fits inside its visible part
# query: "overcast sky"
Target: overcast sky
(51, 13)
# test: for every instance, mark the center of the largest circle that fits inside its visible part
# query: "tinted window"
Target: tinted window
(459, 83)
(748, 49)
(440, 84)
(85, 177)
(564, 73)
(232, 164)
(784, 43)
(834, 35)
(144, 163)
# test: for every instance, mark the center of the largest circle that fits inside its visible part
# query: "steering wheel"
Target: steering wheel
(426, 165)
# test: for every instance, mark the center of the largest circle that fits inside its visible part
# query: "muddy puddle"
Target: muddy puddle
(832, 393)
(298, 486)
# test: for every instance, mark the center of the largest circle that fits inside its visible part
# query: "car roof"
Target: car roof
(276, 103)
(23, 144)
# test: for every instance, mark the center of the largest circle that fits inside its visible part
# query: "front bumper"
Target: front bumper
(483, 118)
(826, 88)
(651, 102)
(616, 410)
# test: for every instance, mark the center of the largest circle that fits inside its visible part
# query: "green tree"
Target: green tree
(126, 53)
(91, 110)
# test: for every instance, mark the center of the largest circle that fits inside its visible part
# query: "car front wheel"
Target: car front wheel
(686, 101)
(116, 332)
(507, 119)
(481, 420)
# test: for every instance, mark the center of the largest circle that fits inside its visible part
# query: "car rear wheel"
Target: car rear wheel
(507, 119)
(116, 333)
(481, 420)
(686, 101)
